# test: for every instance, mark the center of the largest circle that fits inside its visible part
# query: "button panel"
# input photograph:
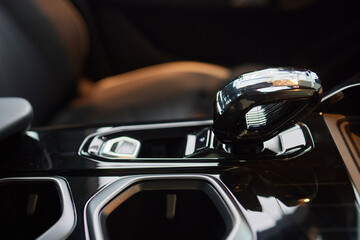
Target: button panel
(121, 147)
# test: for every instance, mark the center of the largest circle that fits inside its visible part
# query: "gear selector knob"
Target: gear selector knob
(258, 105)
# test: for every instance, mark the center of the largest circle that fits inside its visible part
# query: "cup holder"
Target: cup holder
(165, 207)
(35, 208)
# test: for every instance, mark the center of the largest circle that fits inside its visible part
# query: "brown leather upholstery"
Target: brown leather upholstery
(170, 91)
(178, 90)
(164, 92)
(71, 29)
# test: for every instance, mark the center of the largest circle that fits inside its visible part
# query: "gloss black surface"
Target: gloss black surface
(309, 197)
(21, 220)
(142, 217)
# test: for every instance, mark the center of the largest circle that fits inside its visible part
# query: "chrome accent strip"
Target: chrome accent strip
(161, 163)
(270, 80)
(357, 196)
(66, 224)
(353, 81)
(97, 202)
(339, 90)
(334, 122)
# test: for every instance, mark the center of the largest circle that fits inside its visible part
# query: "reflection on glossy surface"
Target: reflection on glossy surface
(285, 202)
(281, 207)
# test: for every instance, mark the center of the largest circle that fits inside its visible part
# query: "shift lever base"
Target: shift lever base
(290, 143)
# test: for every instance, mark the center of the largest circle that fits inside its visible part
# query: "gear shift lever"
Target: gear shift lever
(254, 118)
(258, 105)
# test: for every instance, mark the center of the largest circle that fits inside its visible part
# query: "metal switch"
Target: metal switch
(122, 147)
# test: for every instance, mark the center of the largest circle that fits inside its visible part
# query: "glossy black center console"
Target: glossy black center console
(307, 197)
(36, 208)
(166, 206)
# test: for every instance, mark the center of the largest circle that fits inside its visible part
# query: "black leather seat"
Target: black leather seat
(43, 46)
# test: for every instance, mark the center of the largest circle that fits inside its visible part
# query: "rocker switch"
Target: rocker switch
(122, 147)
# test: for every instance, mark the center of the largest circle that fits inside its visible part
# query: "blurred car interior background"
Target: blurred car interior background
(105, 61)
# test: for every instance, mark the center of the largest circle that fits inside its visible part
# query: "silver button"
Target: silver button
(122, 147)
(95, 146)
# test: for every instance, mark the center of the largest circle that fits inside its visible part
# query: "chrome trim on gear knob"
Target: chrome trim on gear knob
(257, 105)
